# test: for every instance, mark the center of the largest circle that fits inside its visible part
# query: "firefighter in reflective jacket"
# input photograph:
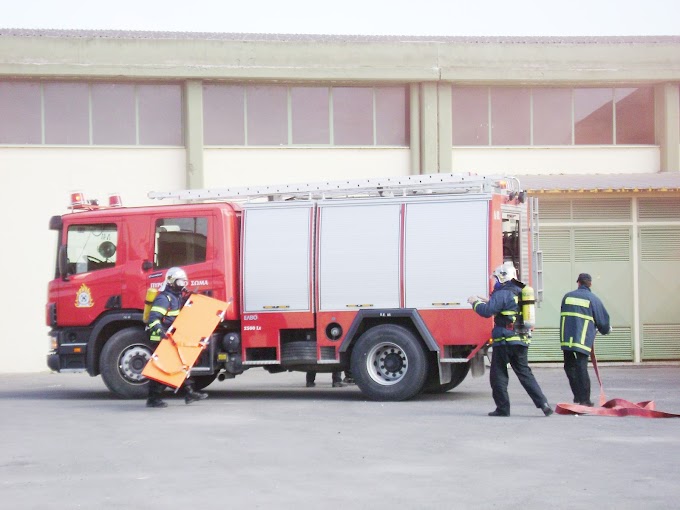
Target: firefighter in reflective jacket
(509, 347)
(582, 314)
(164, 311)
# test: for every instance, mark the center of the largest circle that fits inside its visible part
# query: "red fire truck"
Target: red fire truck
(370, 276)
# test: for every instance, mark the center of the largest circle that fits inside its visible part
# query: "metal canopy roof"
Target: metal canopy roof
(656, 182)
(275, 37)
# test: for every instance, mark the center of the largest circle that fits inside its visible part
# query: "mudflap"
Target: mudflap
(477, 364)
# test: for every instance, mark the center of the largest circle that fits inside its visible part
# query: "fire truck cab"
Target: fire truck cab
(366, 276)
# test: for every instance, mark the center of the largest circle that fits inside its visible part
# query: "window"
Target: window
(352, 116)
(305, 115)
(593, 116)
(180, 242)
(391, 116)
(309, 108)
(113, 114)
(160, 114)
(67, 116)
(20, 113)
(91, 247)
(470, 115)
(224, 114)
(552, 116)
(634, 116)
(267, 112)
(510, 123)
(82, 113)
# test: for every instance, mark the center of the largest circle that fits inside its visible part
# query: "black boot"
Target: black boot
(498, 413)
(155, 392)
(192, 395)
(155, 402)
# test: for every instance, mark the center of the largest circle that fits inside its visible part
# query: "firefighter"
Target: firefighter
(509, 347)
(581, 315)
(164, 311)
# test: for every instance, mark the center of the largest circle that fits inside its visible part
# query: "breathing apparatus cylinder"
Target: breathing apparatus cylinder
(151, 294)
(528, 304)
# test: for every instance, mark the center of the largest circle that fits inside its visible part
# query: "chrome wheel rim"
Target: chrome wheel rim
(387, 363)
(132, 361)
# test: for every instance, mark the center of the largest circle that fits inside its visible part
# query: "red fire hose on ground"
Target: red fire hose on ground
(615, 406)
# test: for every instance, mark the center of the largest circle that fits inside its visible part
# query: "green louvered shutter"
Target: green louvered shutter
(606, 253)
(659, 286)
(545, 345)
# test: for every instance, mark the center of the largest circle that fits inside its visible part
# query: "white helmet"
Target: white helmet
(176, 278)
(505, 272)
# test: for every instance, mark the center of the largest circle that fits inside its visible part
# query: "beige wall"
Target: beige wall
(37, 186)
(244, 167)
(558, 160)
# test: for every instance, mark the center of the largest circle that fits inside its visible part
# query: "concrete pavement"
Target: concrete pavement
(266, 441)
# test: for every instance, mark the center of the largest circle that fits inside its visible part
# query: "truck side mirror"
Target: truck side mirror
(62, 262)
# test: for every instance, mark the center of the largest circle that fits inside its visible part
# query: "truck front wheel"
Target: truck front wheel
(122, 360)
(389, 363)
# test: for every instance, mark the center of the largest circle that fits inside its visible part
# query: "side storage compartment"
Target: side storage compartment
(276, 260)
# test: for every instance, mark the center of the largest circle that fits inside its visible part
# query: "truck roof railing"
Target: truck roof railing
(379, 186)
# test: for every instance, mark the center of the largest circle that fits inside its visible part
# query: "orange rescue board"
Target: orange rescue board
(172, 360)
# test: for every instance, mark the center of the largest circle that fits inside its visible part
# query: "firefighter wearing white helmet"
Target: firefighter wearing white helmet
(164, 311)
(509, 346)
(505, 272)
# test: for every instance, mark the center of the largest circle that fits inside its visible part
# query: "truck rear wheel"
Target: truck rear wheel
(389, 363)
(122, 360)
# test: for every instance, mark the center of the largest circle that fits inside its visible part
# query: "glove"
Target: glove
(472, 300)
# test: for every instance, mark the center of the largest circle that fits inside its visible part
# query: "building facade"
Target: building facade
(591, 126)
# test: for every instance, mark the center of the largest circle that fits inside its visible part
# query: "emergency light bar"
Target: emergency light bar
(115, 200)
(79, 202)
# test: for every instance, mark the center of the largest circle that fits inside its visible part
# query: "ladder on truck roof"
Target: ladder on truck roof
(427, 184)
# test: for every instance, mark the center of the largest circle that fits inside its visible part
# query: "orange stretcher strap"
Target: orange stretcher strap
(155, 360)
(615, 406)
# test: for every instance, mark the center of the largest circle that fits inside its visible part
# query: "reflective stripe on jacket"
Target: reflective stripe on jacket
(582, 314)
(503, 307)
(164, 311)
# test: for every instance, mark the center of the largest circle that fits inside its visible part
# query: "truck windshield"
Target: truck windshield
(91, 247)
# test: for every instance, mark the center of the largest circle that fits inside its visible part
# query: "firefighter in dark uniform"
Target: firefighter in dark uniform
(581, 315)
(509, 347)
(164, 311)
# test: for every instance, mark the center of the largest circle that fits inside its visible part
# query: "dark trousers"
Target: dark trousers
(516, 356)
(311, 377)
(576, 368)
(156, 388)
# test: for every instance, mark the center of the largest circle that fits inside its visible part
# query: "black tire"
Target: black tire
(122, 360)
(389, 363)
(459, 372)
(298, 353)
(203, 381)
